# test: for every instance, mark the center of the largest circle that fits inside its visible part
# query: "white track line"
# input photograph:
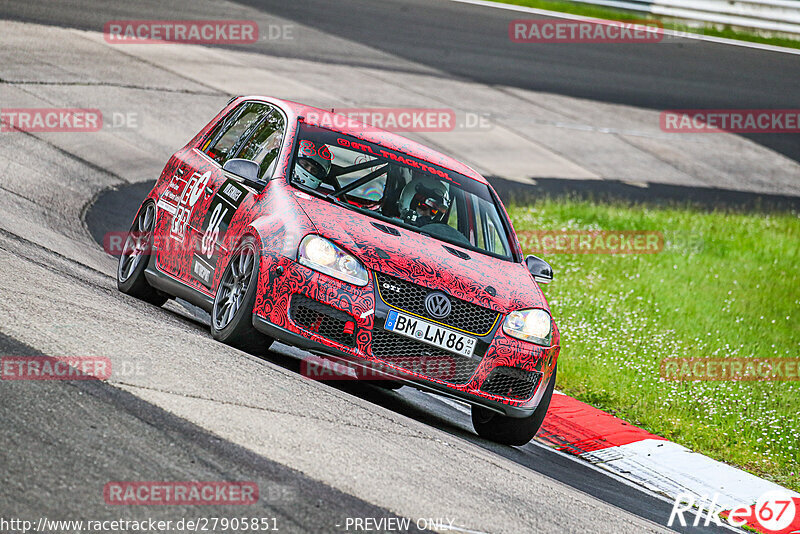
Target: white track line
(672, 469)
(671, 33)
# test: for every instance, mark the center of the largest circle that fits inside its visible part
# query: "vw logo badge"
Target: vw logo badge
(438, 305)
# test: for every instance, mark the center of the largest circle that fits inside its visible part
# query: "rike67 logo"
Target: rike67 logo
(775, 512)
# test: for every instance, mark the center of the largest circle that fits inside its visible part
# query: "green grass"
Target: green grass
(725, 285)
(607, 13)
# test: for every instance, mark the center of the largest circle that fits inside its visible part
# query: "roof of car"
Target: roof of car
(375, 135)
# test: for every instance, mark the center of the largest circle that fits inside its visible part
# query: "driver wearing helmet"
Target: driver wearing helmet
(311, 170)
(424, 201)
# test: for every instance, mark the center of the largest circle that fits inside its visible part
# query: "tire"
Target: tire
(511, 430)
(232, 313)
(135, 255)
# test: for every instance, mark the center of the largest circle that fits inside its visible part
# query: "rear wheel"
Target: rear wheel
(135, 255)
(232, 313)
(511, 430)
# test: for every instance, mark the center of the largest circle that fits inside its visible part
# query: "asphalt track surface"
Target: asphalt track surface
(471, 42)
(46, 431)
(61, 442)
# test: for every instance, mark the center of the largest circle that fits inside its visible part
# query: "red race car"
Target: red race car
(358, 245)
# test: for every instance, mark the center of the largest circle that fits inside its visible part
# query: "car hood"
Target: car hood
(500, 285)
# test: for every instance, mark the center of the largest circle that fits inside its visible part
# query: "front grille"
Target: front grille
(422, 358)
(511, 382)
(322, 319)
(411, 298)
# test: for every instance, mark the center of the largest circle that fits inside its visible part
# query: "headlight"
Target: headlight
(529, 325)
(321, 255)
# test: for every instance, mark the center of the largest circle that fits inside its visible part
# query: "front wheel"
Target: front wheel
(512, 430)
(232, 313)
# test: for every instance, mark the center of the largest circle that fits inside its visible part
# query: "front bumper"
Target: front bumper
(361, 311)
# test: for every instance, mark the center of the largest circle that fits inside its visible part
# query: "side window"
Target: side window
(480, 224)
(453, 219)
(265, 144)
(491, 235)
(225, 141)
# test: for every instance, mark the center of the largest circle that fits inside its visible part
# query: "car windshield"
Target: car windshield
(400, 189)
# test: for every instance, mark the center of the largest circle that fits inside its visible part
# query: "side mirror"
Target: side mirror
(540, 269)
(245, 169)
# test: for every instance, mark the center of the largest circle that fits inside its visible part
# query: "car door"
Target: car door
(190, 189)
(218, 222)
(176, 204)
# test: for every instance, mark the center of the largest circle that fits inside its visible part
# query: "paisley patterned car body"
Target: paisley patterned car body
(202, 213)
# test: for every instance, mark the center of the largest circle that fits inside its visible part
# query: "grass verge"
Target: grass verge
(607, 13)
(725, 285)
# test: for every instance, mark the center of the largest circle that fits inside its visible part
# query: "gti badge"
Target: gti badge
(391, 287)
(438, 305)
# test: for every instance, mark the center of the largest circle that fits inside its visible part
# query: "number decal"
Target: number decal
(325, 153)
(214, 230)
(308, 149)
(209, 242)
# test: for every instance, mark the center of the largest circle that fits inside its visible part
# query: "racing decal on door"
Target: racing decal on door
(215, 226)
(191, 193)
(171, 196)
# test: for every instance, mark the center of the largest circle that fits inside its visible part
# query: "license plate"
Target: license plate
(432, 334)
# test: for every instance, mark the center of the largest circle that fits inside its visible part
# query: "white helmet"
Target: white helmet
(310, 170)
(424, 194)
